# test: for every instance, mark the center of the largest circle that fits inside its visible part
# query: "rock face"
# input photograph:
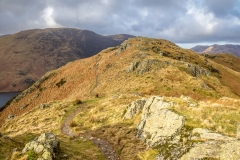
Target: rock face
(214, 150)
(161, 128)
(214, 146)
(196, 70)
(134, 108)
(46, 146)
(206, 134)
(141, 67)
(158, 122)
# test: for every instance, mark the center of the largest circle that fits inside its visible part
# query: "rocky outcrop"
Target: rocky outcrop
(163, 129)
(134, 108)
(214, 150)
(160, 127)
(123, 47)
(212, 145)
(205, 134)
(140, 67)
(196, 70)
(46, 146)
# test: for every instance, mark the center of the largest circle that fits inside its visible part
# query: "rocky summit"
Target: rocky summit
(144, 99)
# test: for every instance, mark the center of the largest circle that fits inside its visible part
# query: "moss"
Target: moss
(32, 155)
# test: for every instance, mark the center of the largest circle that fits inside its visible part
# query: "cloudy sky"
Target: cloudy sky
(186, 22)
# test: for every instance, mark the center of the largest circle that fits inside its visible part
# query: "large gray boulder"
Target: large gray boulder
(46, 146)
(214, 150)
(158, 122)
(160, 127)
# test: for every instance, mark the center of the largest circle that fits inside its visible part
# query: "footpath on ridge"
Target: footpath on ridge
(106, 148)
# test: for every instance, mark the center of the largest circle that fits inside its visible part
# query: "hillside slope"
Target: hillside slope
(28, 55)
(202, 92)
(138, 66)
(228, 60)
(227, 48)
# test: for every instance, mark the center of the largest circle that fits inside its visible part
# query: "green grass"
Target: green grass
(220, 118)
(79, 148)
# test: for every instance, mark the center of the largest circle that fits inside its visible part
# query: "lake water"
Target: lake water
(4, 97)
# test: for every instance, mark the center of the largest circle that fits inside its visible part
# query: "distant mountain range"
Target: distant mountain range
(28, 55)
(227, 48)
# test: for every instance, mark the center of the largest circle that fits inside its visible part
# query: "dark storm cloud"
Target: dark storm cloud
(189, 21)
(222, 8)
(19, 15)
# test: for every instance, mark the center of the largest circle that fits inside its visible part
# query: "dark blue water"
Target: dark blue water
(4, 97)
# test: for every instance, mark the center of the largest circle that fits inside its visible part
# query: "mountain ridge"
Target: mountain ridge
(227, 48)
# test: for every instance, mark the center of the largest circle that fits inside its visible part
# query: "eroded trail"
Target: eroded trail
(106, 148)
(96, 76)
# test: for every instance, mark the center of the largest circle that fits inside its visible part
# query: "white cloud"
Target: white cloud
(188, 21)
(48, 17)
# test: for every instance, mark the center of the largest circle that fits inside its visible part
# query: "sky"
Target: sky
(186, 23)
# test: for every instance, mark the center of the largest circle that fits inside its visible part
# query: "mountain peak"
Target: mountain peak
(227, 48)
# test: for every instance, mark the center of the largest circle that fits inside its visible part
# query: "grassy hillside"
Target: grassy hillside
(28, 55)
(107, 82)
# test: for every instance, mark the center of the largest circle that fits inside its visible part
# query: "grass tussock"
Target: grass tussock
(39, 120)
(220, 115)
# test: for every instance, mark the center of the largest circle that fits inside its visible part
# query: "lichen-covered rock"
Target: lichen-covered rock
(46, 146)
(158, 122)
(134, 108)
(214, 150)
(141, 67)
(155, 127)
(160, 127)
(196, 70)
(123, 47)
(209, 135)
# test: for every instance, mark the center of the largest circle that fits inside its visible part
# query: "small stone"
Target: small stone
(10, 116)
(15, 150)
(43, 106)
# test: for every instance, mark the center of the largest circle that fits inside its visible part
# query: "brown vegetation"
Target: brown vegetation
(28, 55)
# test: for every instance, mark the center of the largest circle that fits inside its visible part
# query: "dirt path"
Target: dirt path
(106, 148)
(96, 75)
